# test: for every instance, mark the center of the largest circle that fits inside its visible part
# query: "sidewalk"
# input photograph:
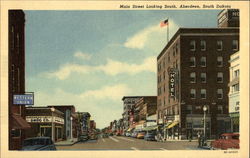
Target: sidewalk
(67, 142)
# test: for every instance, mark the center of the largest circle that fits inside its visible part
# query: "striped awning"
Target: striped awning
(172, 124)
(19, 123)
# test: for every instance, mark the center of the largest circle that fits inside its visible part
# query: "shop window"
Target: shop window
(219, 61)
(15, 133)
(189, 109)
(219, 93)
(203, 77)
(192, 45)
(192, 93)
(235, 45)
(219, 77)
(192, 62)
(203, 61)
(192, 77)
(203, 93)
(236, 73)
(219, 45)
(203, 45)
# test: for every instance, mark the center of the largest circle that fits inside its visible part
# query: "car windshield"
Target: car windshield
(35, 142)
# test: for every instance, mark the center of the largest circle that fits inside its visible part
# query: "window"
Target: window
(203, 93)
(219, 77)
(189, 109)
(15, 133)
(203, 61)
(192, 93)
(192, 45)
(203, 77)
(173, 51)
(203, 45)
(219, 93)
(176, 48)
(219, 61)
(164, 75)
(192, 77)
(219, 45)
(235, 45)
(168, 58)
(192, 62)
(220, 109)
(236, 88)
(236, 73)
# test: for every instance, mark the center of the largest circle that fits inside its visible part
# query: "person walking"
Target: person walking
(199, 139)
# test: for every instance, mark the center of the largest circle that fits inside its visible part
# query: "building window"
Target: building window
(236, 88)
(15, 133)
(203, 93)
(219, 77)
(192, 94)
(189, 109)
(219, 93)
(235, 45)
(192, 45)
(176, 48)
(219, 45)
(203, 61)
(173, 51)
(236, 73)
(203, 77)
(192, 62)
(192, 77)
(203, 45)
(220, 109)
(159, 66)
(219, 61)
(168, 58)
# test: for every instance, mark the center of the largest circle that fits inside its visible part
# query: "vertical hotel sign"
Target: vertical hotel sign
(172, 82)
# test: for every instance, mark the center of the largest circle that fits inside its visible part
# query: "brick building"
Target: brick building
(193, 71)
(17, 123)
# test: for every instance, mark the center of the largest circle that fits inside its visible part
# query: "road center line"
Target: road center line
(134, 148)
(114, 139)
(163, 149)
(126, 139)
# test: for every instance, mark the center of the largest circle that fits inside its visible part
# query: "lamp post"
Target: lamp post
(71, 128)
(52, 124)
(204, 109)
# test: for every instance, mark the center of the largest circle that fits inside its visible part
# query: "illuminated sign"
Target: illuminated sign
(23, 99)
(44, 119)
(172, 78)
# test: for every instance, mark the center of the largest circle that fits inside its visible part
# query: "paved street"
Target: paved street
(128, 143)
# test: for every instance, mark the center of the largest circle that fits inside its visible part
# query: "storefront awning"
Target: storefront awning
(149, 128)
(172, 124)
(167, 124)
(19, 122)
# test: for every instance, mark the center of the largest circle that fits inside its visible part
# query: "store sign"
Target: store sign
(172, 79)
(23, 99)
(44, 119)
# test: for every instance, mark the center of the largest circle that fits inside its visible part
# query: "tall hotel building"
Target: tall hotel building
(193, 72)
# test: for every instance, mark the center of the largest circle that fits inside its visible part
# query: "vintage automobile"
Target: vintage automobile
(227, 141)
(83, 137)
(38, 143)
(141, 134)
(150, 135)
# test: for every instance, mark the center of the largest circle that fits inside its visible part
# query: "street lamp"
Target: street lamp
(204, 109)
(52, 124)
(71, 128)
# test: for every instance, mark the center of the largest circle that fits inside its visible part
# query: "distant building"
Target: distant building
(16, 72)
(193, 72)
(84, 120)
(234, 92)
(128, 110)
(229, 18)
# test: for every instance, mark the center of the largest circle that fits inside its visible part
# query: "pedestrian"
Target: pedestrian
(190, 136)
(199, 139)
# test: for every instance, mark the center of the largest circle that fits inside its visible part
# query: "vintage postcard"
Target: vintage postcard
(125, 78)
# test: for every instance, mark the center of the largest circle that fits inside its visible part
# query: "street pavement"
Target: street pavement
(128, 143)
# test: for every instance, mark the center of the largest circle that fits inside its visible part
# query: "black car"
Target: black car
(83, 137)
(38, 143)
(150, 136)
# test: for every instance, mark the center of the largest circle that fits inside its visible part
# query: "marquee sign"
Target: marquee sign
(44, 119)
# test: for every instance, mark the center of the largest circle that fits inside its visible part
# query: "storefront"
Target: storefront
(45, 121)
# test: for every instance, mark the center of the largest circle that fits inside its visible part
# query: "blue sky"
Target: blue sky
(91, 59)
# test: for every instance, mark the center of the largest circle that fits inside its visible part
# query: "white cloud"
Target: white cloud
(114, 92)
(112, 67)
(81, 55)
(139, 40)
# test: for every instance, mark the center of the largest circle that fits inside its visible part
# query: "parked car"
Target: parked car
(150, 136)
(118, 134)
(93, 137)
(38, 143)
(141, 135)
(128, 134)
(227, 141)
(105, 135)
(134, 134)
(83, 137)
